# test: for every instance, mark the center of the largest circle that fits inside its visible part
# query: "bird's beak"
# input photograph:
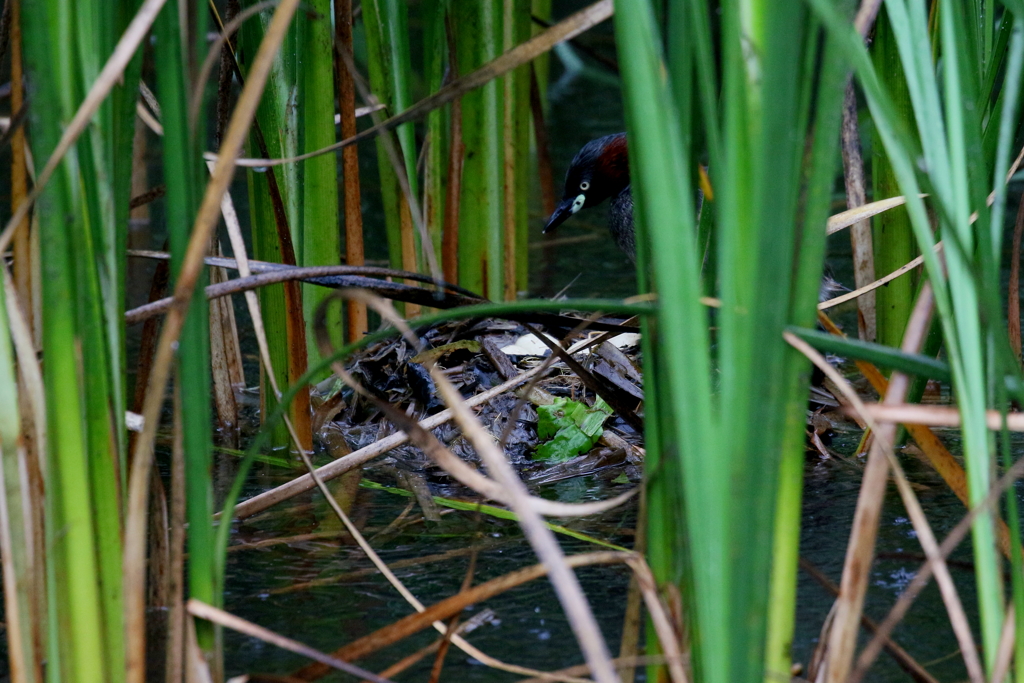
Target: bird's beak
(564, 210)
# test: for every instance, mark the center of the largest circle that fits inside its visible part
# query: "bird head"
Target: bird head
(600, 170)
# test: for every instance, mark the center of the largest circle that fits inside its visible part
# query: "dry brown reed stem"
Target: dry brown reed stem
(206, 220)
(659, 615)
(567, 587)
(938, 416)
(923, 575)
(414, 623)
(860, 232)
(860, 550)
(842, 640)
(299, 485)
(902, 270)
(108, 77)
(345, 87)
(884, 435)
(228, 620)
(477, 620)
(1013, 289)
(568, 28)
(902, 657)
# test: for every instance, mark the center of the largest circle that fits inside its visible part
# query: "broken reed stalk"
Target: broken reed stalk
(860, 549)
(948, 467)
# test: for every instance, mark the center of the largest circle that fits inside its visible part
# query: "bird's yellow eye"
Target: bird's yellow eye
(585, 185)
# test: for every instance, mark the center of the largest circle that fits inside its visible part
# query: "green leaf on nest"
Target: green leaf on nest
(570, 427)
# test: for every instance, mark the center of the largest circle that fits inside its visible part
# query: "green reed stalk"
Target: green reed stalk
(82, 314)
(320, 242)
(661, 175)
(481, 242)
(893, 238)
(184, 176)
(387, 52)
(521, 31)
(770, 205)
(435, 180)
